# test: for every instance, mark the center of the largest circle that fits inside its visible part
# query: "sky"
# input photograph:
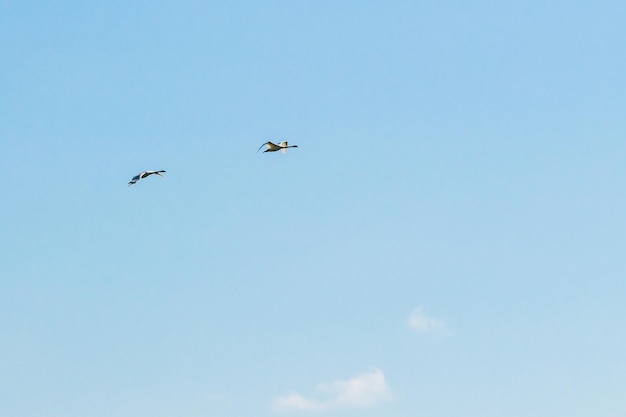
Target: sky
(447, 240)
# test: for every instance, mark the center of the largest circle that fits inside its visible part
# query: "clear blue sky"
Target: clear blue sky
(447, 240)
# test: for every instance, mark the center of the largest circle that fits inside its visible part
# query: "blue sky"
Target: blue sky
(447, 240)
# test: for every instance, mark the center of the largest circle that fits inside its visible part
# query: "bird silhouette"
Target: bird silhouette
(144, 175)
(272, 147)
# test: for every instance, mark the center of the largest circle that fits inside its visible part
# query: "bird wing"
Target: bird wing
(134, 180)
(283, 144)
(269, 145)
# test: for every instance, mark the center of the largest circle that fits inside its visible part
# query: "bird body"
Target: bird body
(144, 175)
(272, 147)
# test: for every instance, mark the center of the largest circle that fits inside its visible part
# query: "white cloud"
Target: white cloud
(365, 390)
(295, 402)
(421, 323)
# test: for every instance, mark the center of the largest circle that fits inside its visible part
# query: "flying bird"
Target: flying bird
(272, 147)
(144, 175)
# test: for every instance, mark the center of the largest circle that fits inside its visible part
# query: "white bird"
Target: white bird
(144, 175)
(272, 147)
